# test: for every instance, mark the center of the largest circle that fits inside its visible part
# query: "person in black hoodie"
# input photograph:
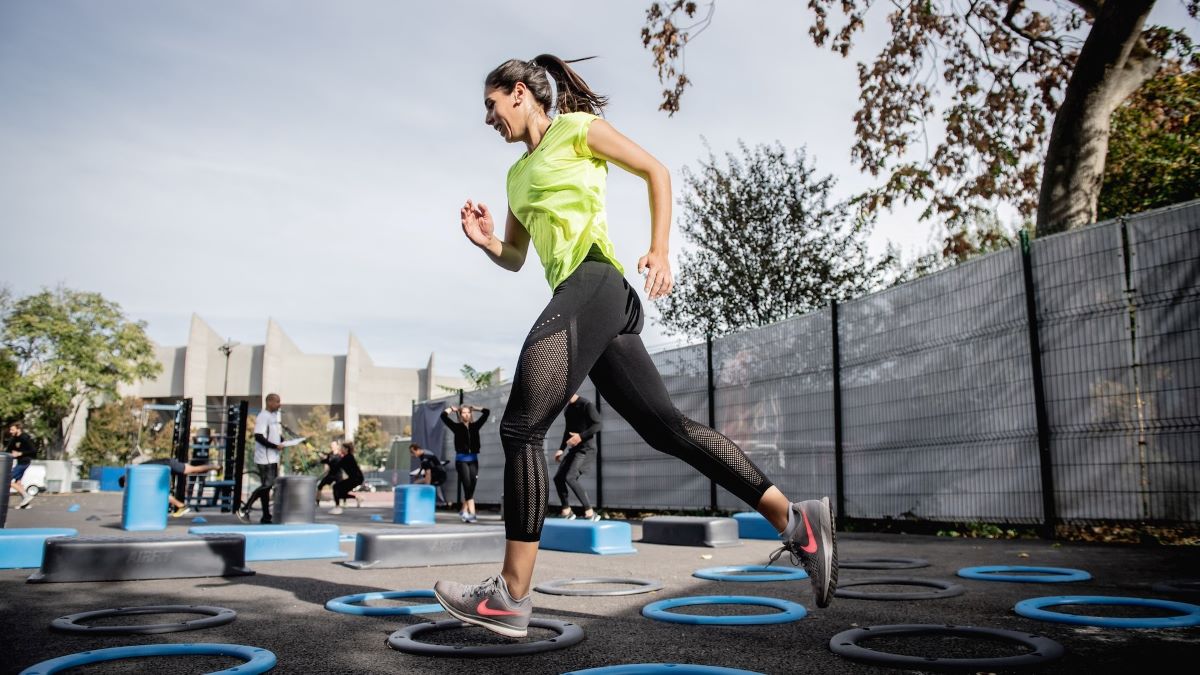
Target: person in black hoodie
(466, 448)
(354, 477)
(332, 473)
(583, 421)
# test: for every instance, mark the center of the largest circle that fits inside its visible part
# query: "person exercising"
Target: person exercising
(466, 449)
(583, 421)
(590, 328)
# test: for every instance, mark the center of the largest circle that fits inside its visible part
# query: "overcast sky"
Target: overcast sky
(306, 160)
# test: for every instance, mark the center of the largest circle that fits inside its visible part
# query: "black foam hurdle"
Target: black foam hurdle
(690, 531)
(117, 558)
(425, 546)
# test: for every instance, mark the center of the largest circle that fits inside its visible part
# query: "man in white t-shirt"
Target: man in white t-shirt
(268, 441)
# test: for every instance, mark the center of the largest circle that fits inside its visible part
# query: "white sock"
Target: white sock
(792, 524)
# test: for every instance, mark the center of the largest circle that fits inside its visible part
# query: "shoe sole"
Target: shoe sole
(828, 551)
(498, 628)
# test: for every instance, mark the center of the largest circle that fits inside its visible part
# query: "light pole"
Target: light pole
(226, 349)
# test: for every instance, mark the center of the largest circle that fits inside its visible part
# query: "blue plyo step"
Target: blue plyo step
(22, 547)
(128, 558)
(690, 531)
(426, 546)
(602, 537)
(752, 525)
(414, 504)
(282, 542)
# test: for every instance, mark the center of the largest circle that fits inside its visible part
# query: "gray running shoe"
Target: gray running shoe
(25, 502)
(243, 515)
(488, 605)
(812, 542)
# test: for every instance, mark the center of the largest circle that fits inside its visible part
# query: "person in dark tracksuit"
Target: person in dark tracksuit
(583, 421)
(348, 465)
(466, 448)
(332, 473)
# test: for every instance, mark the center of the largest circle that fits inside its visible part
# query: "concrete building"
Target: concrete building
(351, 385)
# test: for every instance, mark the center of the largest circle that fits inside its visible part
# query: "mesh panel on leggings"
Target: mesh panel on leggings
(723, 450)
(543, 390)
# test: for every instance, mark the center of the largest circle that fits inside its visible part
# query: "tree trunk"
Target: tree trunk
(1112, 64)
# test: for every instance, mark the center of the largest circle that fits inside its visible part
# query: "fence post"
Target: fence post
(712, 417)
(1049, 511)
(838, 457)
(599, 455)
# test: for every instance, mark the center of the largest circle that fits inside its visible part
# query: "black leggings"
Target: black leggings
(267, 473)
(468, 475)
(591, 328)
(343, 488)
(568, 474)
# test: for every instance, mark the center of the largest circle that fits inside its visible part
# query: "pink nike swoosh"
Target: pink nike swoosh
(811, 546)
(488, 611)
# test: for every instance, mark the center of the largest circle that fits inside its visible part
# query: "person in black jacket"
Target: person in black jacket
(332, 473)
(466, 448)
(354, 477)
(23, 449)
(583, 421)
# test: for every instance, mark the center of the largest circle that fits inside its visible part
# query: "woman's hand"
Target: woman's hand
(477, 223)
(657, 269)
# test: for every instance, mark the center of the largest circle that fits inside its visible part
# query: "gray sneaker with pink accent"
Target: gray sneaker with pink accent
(487, 604)
(811, 541)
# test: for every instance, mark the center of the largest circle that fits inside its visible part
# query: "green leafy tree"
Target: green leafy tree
(69, 349)
(478, 379)
(1154, 151)
(318, 428)
(115, 430)
(371, 443)
(1025, 92)
(767, 244)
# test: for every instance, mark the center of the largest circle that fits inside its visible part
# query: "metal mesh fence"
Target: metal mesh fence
(774, 399)
(635, 475)
(1165, 279)
(938, 407)
(1087, 366)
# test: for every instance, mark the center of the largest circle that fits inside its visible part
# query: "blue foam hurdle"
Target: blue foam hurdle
(144, 506)
(603, 537)
(297, 541)
(414, 504)
(752, 525)
(22, 547)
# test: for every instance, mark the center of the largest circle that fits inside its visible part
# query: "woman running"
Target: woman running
(556, 199)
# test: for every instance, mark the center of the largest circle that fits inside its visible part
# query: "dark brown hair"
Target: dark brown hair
(574, 95)
(349, 446)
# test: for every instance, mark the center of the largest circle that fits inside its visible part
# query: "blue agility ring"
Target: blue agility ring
(349, 604)
(1032, 609)
(257, 660)
(729, 573)
(1049, 575)
(664, 668)
(658, 610)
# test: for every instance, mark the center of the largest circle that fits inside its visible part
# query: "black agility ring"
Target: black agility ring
(556, 586)
(945, 589)
(1191, 586)
(845, 644)
(217, 616)
(883, 564)
(404, 640)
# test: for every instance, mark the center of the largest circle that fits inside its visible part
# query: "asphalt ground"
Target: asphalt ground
(281, 608)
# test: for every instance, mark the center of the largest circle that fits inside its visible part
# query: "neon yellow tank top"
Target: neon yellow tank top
(557, 192)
